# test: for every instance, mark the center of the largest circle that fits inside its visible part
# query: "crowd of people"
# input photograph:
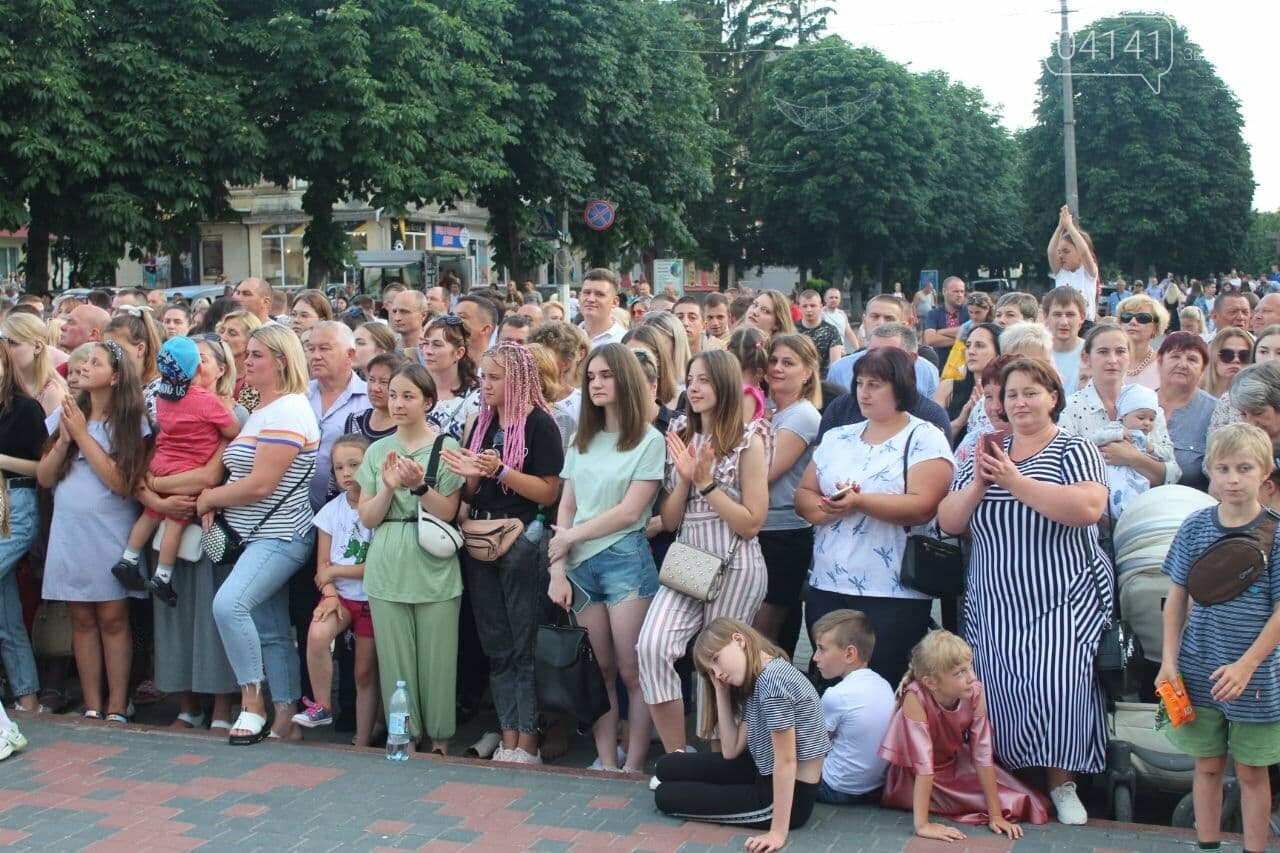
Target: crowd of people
(217, 493)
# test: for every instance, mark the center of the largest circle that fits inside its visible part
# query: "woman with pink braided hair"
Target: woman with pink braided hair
(512, 461)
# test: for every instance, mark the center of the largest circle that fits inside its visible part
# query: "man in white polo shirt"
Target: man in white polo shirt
(596, 301)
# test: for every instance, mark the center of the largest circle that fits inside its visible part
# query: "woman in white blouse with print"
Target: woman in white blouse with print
(860, 536)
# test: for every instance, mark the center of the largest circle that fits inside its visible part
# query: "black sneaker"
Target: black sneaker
(163, 590)
(129, 576)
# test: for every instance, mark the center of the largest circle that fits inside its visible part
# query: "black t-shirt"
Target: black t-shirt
(22, 432)
(543, 455)
(824, 337)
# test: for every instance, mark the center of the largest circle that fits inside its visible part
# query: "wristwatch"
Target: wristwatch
(420, 490)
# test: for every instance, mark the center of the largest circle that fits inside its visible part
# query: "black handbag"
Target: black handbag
(567, 675)
(929, 564)
(1120, 654)
(223, 546)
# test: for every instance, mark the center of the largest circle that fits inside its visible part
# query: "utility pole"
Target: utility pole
(1065, 49)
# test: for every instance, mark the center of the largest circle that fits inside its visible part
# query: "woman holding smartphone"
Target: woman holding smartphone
(611, 475)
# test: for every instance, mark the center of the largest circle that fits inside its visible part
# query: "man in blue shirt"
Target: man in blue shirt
(880, 310)
(942, 324)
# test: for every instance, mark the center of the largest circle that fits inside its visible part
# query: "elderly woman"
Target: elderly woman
(1038, 587)
(1256, 393)
(1027, 339)
(1143, 320)
(1230, 352)
(1187, 409)
(1092, 410)
(865, 484)
(265, 501)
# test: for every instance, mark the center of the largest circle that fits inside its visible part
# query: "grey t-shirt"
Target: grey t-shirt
(802, 419)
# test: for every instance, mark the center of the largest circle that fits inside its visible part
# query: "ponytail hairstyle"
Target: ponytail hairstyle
(456, 334)
(652, 339)
(934, 655)
(675, 338)
(140, 329)
(724, 421)
(632, 399)
(125, 415)
(522, 391)
(716, 636)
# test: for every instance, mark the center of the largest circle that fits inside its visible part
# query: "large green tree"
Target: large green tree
(843, 180)
(1165, 177)
(122, 125)
(738, 40)
(596, 113)
(389, 100)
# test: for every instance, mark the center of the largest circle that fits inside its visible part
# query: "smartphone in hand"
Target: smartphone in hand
(839, 493)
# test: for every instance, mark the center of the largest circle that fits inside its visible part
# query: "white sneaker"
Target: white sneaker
(519, 756)
(654, 783)
(1067, 803)
(501, 754)
(14, 738)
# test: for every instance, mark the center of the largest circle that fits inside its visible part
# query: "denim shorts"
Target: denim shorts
(621, 572)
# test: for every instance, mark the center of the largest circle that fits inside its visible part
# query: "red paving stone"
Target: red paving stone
(245, 810)
(12, 836)
(609, 803)
(387, 827)
(189, 760)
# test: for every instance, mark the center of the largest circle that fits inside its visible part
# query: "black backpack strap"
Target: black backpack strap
(433, 464)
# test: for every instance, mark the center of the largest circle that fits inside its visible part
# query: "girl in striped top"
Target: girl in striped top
(717, 498)
(773, 734)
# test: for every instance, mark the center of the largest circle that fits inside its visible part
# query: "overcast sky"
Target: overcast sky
(998, 45)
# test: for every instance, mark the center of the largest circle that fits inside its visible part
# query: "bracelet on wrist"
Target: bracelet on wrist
(708, 489)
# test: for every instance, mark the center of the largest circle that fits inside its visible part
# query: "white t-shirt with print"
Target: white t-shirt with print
(858, 554)
(349, 542)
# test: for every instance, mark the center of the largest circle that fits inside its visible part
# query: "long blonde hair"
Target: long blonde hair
(1211, 380)
(938, 652)
(27, 329)
(715, 637)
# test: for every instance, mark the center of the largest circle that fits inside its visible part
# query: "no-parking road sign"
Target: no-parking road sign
(599, 214)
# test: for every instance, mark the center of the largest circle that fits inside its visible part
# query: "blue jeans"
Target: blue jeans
(15, 645)
(252, 611)
(830, 796)
(621, 572)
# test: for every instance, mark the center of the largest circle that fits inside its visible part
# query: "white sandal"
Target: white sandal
(258, 726)
(192, 721)
(220, 724)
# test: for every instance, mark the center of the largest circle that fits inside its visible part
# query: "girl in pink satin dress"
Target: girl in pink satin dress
(940, 701)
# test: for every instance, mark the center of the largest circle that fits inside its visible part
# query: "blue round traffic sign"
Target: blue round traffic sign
(599, 215)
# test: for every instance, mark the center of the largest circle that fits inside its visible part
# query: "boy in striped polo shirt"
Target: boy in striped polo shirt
(1227, 655)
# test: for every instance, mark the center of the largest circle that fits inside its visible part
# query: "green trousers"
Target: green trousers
(418, 644)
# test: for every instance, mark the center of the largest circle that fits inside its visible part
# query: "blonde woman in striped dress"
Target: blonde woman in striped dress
(717, 492)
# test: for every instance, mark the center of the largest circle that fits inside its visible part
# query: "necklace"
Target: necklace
(1141, 367)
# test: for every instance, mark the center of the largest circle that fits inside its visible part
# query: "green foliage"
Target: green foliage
(1260, 244)
(1165, 179)
(592, 117)
(389, 100)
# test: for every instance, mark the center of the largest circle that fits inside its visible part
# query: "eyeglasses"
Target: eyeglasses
(1231, 356)
(1143, 317)
(211, 337)
(451, 320)
(642, 356)
(133, 310)
(978, 299)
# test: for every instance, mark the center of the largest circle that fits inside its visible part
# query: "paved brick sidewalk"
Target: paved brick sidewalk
(86, 785)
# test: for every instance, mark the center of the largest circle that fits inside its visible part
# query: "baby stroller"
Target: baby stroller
(1138, 756)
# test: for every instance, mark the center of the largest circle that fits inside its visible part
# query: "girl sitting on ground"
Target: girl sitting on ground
(940, 749)
(772, 733)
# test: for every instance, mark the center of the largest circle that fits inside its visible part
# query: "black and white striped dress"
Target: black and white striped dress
(1034, 618)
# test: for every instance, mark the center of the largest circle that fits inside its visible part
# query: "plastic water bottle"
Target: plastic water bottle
(398, 725)
(534, 531)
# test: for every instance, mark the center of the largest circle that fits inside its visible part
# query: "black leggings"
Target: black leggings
(707, 786)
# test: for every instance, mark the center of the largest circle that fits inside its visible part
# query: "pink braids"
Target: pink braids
(522, 390)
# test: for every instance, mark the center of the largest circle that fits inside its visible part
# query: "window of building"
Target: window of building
(358, 237)
(417, 235)
(9, 260)
(211, 268)
(283, 260)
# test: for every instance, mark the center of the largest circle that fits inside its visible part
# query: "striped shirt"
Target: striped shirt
(288, 421)
(784, 699)
(1219, 634)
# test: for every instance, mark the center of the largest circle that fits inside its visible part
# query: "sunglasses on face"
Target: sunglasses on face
(1230, 356)
(1143, 317)
(211, 337)
(451, 320)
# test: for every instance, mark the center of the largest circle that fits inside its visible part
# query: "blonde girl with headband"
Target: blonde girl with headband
(940, 749)
(512, 463)
(94, 462)
(773, 736)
